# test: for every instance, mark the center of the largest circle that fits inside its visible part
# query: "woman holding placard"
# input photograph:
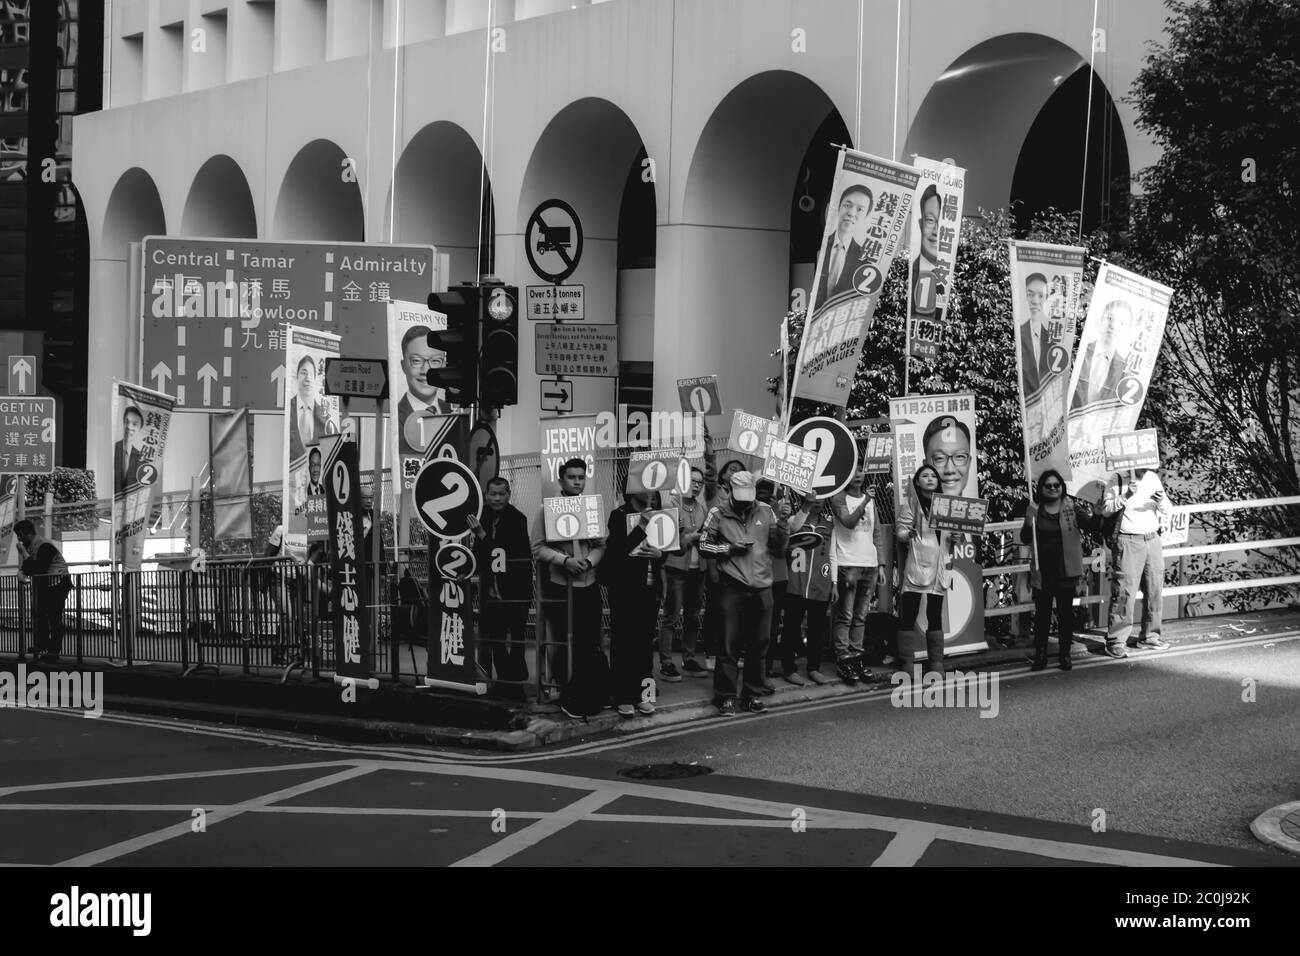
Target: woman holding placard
(927, 572)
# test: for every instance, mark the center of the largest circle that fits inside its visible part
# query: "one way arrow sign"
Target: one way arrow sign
(557, 395)
(22, 375)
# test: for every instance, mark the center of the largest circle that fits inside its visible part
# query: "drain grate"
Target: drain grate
(665, 771)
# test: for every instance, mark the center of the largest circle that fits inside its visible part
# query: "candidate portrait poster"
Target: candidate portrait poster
(141, 418)
(309, 415)
(1112, 369)
(940, 430)
(935, 231)
(869, 207)
(1045, 284)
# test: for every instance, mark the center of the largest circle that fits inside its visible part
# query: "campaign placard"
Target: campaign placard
(963, 515)
(700, 395)
(661, 531)
(791, 465)
(879, 454)
(1138, 449)
(1174, 529)
(658, 470)
(574, 517)
(752, 434)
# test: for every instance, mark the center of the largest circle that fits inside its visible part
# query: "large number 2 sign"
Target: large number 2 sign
(822, 441)
(457, 494)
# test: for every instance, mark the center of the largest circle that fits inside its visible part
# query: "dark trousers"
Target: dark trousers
(587, 618)
(909, 605)
(681, 608)
(711, 630)
(778, 608)
(818, 613)
(49, 619)
(503, 628)
(631, 639)
(746, 626)
(1062, 595)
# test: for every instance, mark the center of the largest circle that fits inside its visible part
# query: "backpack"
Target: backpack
(588, 690)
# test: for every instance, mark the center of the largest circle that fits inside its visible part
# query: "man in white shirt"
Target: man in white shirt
(855, 560)
(1137, 560)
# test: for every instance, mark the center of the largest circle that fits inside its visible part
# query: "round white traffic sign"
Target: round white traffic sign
(455, 561)
(837, 453)
(446, 494)
(567, 526)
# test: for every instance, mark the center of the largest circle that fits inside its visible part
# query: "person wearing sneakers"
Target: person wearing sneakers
(780, 574)
(741, 535)
(927, 572)
(684, 582)
(630, 571)
(809, 589)
(1138, 559)
(855, 552)
(712, 627)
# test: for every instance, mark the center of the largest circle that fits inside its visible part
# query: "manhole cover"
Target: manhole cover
(665, 771)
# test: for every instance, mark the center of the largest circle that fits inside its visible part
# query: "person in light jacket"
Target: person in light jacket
(927, 572)
(1052, 529)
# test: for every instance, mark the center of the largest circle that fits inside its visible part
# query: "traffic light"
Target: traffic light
(459, 341)
(500, 317)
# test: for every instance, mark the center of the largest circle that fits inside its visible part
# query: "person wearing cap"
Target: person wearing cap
(741, 535)
(712, 627)
(808, 589)
(855, 549)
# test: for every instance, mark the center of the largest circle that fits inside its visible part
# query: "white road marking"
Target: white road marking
(908, 846)
(515, 843)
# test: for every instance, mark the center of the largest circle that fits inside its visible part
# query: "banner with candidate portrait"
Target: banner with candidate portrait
(935, 231)
(1045, 284)
(309, 415)
(940, 430)
(1112, 370)
(141, 418)
(871, 201)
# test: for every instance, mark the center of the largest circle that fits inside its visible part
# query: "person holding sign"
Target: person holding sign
(742, 534)
(927, 571)
(684, 582)
(857, 538)
(1138, 559)
(503, 557)
(630, 571)
(809, 589)
(1052, 526)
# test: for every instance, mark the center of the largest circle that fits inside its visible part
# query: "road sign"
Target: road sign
(658, 471)
(553, 240)
(455, 562)
(661, 530)
(700, 395)
(557, 396)
(752, 434)
(22, 375)
(574, 517)
(547, 303)
(27, 436)
(484, 454)
(446, 494)
(213, 311)
(577, 350)
(356, 378)
(1138, 449)
(964, 515)
(837, 453)
(791, 464)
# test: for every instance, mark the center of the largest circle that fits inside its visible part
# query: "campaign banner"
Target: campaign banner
(699, 395)
(1139, 449)
(574, 517)
(1112, 369)
(573, 436)
(1045, 284)
(963, 515)
(659, 470)
(935, 231)
(347, 572)
(417, 411)
(309, 415)
(872, 200)
(791, 465)
(8, 514)
(878, 455)
(318, 525)
(141, 418)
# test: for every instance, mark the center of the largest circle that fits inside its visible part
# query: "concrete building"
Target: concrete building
(687, 135)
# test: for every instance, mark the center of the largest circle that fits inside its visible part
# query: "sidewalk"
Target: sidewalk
(406, 714)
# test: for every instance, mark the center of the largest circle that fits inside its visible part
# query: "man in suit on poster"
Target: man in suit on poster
(1103, 365)
(421, 398)
(126, 453)
(843, 253)
(309, 417)
(1034, 360)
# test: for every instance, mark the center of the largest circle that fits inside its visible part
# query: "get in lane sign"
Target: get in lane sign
(27, 436)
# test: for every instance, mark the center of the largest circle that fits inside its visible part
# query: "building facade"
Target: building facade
(694, 139)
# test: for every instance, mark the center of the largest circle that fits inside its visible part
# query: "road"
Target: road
(1163, 745)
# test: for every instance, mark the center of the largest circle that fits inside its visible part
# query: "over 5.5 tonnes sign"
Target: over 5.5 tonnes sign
(213, 311)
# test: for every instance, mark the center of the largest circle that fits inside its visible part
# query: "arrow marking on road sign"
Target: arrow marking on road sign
(22, 370)
(277, 379)
(161, 372)
(207, 374)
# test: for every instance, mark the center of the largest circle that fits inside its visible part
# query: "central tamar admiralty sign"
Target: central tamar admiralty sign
(213, 311)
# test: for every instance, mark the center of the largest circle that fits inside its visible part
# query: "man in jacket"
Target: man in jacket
(630, 570)
(684, 581)
(44, 564)
(503, 555)
(741, 535)
(1138, 560)
(563, 565)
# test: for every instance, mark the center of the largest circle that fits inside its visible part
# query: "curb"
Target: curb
(1279, 827)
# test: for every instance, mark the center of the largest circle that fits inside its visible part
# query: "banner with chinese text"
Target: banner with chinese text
(309, 415)
(141, 418)
(935, 233)
(342, 480)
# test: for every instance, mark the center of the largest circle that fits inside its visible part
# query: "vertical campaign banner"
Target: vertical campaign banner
(936, 232)
(940, 430)
(141, 418)
(309, 415)
(342, 482)
(8, 511)
(1117, 353)
(871, 201)
(1045, 284)
(417, 416)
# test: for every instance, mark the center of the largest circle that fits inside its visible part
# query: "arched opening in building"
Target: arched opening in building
(432, 199)
(808, 205)
(320, 197)
(135, 210)
(1011, 112)
(219, 203)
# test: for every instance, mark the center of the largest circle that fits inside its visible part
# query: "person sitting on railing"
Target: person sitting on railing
(51, 584)
(1052, 529)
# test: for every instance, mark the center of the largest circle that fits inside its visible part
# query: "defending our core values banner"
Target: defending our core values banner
(141, 418)
(870, 204)
(1112, 369)
(935, 233)
(1045, 283)
(309, 415)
